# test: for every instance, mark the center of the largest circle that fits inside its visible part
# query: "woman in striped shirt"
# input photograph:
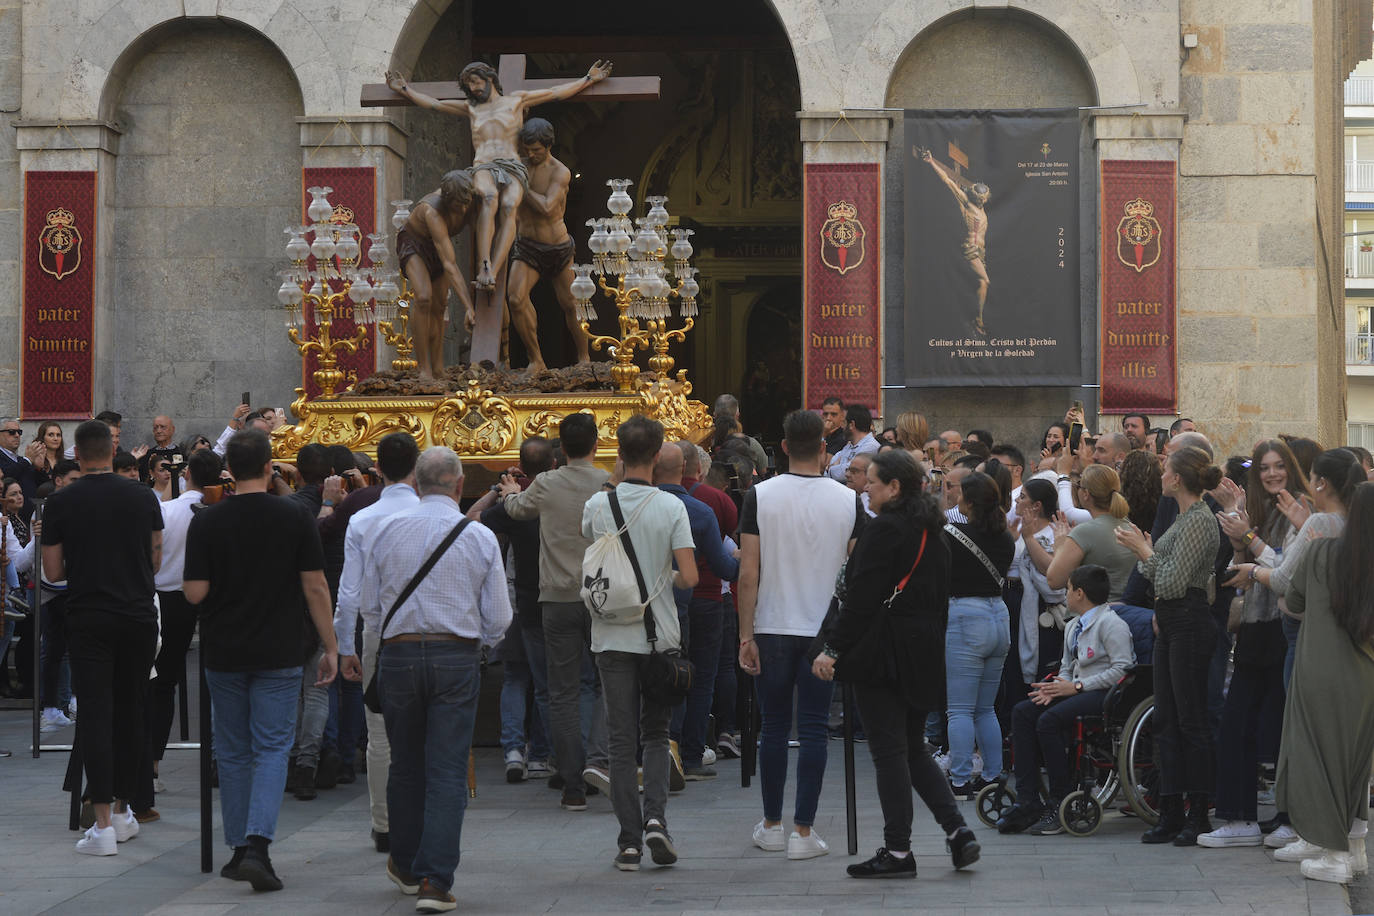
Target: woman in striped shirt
(1180, 566)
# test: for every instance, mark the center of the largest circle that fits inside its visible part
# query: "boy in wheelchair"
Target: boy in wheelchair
(1098, 651)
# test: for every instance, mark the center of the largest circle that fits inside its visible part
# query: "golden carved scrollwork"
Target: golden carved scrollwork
(475, 421)
(669, 403)
(545, 422)
(371, 429)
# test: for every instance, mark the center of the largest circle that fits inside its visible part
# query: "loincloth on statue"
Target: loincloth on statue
(505, 171)
(974, 252)
(410, 245)
(548, 260)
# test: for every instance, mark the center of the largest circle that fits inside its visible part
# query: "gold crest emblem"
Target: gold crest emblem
(1138, 236)
(342, 216)
(842, 238)
(59, 244)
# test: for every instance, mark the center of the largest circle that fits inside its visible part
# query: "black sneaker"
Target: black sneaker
(556, 781)
(1049, 823)
(963, 847)
(256, 869)
(964, 791)
(327, 771)
(347, 775)
(698, 773)
(433, 900)
(659, 842)
(305, 783)
(1020, 817)
(884, 865)
(628, 859)
(231, 868)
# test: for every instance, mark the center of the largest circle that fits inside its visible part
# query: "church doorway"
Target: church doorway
(721, 142)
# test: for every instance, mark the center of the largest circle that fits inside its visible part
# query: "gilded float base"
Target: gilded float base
(484, 427)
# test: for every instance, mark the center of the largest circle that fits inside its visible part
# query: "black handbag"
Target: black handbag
(664, 677)
(372, 698)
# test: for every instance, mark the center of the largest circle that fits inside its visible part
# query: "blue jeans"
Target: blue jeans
(254, 716)
(524, 666)
(703, 640)
(345, 727)
(785, 674)
(977, 640)
(429, 700)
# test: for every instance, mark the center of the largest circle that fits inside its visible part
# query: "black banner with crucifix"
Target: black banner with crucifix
(992, 248)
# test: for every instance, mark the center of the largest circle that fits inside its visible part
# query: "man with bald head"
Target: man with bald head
(1111, 449)
(700, 618)
(164, 448)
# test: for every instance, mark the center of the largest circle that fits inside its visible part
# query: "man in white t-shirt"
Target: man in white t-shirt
(662, 536)
(796, 531)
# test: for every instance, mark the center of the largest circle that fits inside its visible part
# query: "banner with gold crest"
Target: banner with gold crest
(58, 349)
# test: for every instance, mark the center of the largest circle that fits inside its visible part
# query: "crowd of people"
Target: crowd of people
(979, 600)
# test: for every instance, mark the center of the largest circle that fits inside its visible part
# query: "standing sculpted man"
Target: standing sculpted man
(500, 178)
(424, 247)
(544, 248)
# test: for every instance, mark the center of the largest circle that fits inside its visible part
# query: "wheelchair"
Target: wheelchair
(1112, 753)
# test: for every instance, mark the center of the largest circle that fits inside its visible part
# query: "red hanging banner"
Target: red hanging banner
(354, 198)
(841, 311)
(57, 372)
(1139, 348)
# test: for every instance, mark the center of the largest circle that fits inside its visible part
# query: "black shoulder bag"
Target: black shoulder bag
(664, 677)
(372, 698)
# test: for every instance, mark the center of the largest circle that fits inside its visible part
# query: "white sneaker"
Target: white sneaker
(599, 777)
(1281, 837)
(537, 769)
(515, 766)
(708, 757)
(806, 847)
(1266, 797)
(1297, 851)
(1232, 833)
(158, 785)
(125, 825)
(97, 842)
(976, 760)
(770, 839)
(942, 761)
(53, 719)
(1330, 866)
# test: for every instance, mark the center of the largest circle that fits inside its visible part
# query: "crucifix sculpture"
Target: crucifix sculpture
(496, 101)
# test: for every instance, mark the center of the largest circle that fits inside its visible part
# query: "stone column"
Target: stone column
(76, 146)
(361, 141)
(843, 138)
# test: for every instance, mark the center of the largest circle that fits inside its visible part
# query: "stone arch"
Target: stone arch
(100, 63)
(1084, 30)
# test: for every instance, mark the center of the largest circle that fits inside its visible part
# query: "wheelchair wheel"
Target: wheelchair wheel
(1081, 813)
(1107, 788)
(1135, 762)
(993, 801)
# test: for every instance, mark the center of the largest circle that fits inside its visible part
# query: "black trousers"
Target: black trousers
(1183, 732)
(55, 646)
(896, 738)
(178, 626)
(1042, 733)
(111, 655)
(1248, 718)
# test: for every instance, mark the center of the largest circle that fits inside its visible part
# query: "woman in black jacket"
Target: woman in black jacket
(889, 641)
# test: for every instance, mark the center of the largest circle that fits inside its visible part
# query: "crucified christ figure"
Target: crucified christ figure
(500, 178)
(972, 201)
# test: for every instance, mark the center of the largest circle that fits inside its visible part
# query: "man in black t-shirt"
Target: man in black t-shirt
(103, 534)
(254, 565)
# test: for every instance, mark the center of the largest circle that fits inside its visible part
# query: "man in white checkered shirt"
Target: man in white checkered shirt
(430, 670)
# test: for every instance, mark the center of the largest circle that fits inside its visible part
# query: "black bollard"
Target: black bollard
(850, 802)
(206, 821)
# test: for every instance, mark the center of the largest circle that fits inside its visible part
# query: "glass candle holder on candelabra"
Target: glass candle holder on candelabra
(336, 286)
(629, 262)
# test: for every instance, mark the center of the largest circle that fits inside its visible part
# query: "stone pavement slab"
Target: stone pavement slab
(523, 854)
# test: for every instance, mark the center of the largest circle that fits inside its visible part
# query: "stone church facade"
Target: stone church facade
(197, 117)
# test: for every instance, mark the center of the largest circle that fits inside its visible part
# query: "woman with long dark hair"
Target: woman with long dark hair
(1180, 566)
(888, 641)
(978, 635)
(1328, 726)
(1259, 532)
(1140, 485)
(50, 434)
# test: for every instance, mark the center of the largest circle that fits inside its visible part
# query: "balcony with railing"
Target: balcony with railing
(1359, 90)
(1359, 175)
(1359, 349)
(1359, 264)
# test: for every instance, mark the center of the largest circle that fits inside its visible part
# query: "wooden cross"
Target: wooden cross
(489, 304)
(511, 69)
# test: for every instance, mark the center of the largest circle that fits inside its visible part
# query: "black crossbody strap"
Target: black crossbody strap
(619, 517)
(419, 577)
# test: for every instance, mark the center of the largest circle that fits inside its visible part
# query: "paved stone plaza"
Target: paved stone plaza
(523, 854)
